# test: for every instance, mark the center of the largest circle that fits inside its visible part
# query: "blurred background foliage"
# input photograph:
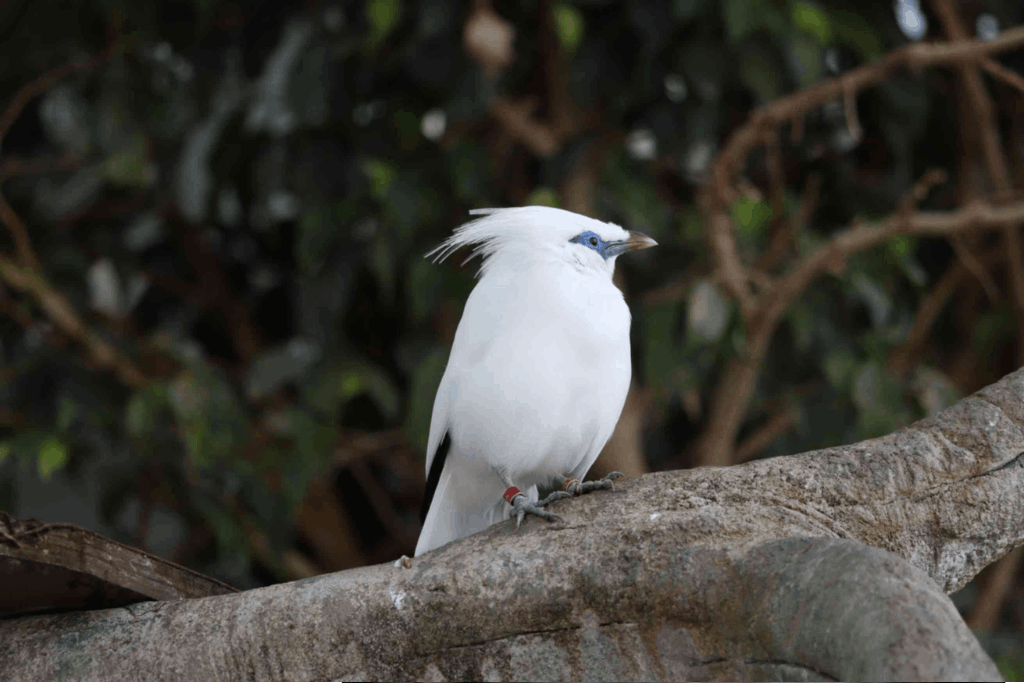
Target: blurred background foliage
(228, 351)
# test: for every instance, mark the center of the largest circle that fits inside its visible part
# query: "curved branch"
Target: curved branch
(759, 570)
(732, 395)
(915, 56)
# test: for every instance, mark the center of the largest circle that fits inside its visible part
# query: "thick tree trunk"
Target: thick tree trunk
(756, 571)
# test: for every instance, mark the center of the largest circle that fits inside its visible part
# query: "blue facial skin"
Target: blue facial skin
(591, 240)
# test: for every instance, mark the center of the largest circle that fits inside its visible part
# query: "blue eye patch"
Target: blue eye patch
(591, 240)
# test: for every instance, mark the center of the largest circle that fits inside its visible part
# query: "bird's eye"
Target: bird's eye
(593, 241)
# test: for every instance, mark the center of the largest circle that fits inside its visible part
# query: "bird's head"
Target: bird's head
(543, 233)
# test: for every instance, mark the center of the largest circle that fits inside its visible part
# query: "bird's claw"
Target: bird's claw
(522, 506)
(579, 488)
(552, 497)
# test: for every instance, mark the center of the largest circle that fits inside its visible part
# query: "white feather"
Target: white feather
(538, 371)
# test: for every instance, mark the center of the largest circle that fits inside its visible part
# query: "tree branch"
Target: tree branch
(915, 57)
(732, 395)
(758, 570)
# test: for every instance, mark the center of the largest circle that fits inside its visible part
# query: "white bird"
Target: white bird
(538, 371)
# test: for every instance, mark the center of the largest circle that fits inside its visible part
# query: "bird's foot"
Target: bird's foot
(552, 497)
(522, 506)
(576, 487)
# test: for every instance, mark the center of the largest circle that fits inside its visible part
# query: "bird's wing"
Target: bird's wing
(467, 499)
(438, 420)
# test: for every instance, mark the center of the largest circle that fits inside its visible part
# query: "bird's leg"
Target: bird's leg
(575, 487)
(522, 505)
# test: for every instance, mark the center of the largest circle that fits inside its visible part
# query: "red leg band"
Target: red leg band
(510, 493)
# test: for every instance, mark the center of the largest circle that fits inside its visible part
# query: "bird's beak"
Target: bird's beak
(638, 241)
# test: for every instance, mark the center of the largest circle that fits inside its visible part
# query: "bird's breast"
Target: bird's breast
(539, 368)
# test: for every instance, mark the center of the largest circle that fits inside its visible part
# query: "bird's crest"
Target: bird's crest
(503, 230)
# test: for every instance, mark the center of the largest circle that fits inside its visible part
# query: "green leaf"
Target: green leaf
(752, 215)
(543, 196)
(380, 174)
(382, 15)
(333, 385)
(52, 456)
(838, 367)
(129, 166)
(569, 26)
(5, 450)
(143, 406)
(812, 19)
(854, 30)
(67, 410)
(209, 414)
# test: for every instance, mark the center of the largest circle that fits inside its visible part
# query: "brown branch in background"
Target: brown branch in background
(730, 271)
(796, 133)
(930, 308)
(781, 225)
(850, 106)
(27, 93)
(19, 233)
(14, 167)
(25, 275)
(38, 86)
(64, 316)
(982, 116)
(927, 313)
(762, 437)
(406, 534)
(328, 528)
(984, 614)
(995, 584)
(793, 107)
(975, 268)
(235, 318)
(762, 314)
(919, 191)
(782, 240)
(732, 395)
(515, 117)
(1011, 78)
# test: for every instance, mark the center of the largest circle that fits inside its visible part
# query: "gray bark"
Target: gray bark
(830, 565)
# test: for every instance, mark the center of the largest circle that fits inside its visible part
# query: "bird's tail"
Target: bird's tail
(467, 500)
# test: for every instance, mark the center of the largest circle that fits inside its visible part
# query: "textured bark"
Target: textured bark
(62, 566)
(759, 571)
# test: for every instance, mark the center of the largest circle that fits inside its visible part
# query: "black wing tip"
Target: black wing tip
(436, 467)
